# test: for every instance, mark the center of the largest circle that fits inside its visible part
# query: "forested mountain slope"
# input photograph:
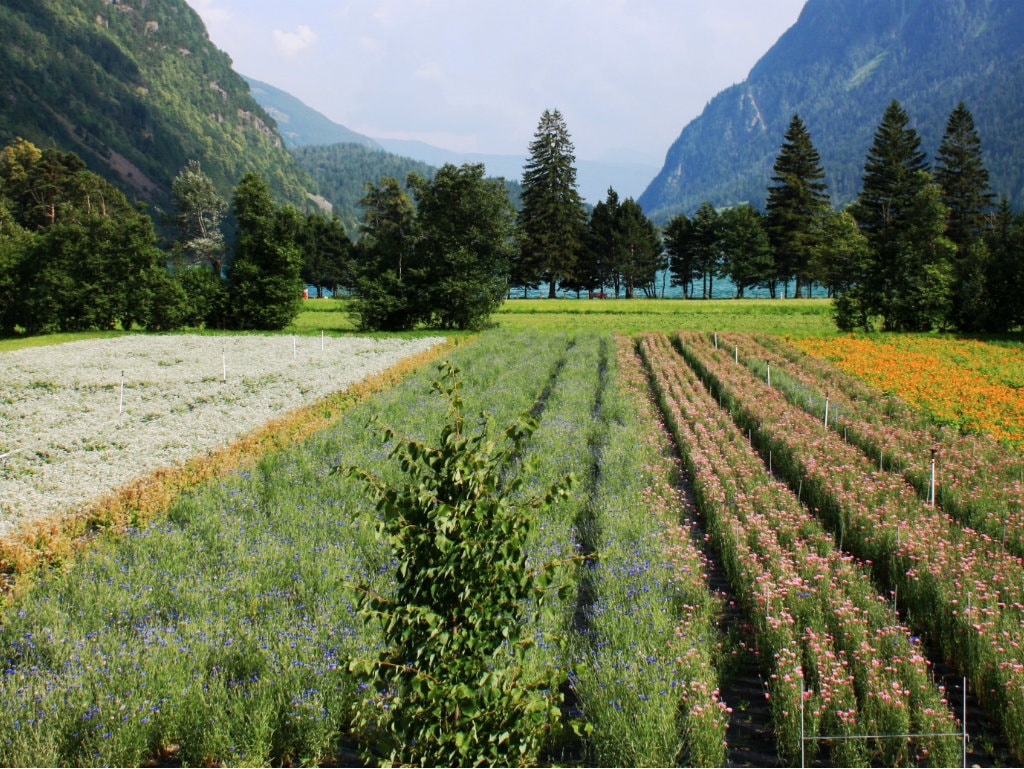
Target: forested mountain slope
(136, 88)
(839, 67)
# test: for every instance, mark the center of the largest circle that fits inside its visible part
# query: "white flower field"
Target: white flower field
(77, 420)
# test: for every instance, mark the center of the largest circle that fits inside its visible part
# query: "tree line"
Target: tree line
(75, 255)
(921, 248)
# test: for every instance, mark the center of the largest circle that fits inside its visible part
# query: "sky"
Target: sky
(476, 75)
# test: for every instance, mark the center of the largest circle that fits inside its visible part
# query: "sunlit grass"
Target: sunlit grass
(797, 317)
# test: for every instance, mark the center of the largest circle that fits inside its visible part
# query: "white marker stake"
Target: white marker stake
(769, 365)
(295, 350)
(826, 412)
(120, 403)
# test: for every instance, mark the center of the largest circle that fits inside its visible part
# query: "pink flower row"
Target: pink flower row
(978, 481)
(813, 609)
(961, 587)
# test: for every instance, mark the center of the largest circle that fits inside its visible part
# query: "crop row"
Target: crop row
(223, 633)
(978, 481)
(959, 587)
(823, 631)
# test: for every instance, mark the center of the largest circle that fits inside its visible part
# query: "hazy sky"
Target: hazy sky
(475, 75)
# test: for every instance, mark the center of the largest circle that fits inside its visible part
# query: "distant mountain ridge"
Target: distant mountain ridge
(136, 89)
(838, 67)
(302, 126)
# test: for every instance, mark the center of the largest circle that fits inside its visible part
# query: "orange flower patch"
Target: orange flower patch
(974, 385)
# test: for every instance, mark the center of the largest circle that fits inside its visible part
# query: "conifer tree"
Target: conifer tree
(895, 175)
(797, 201)
(964, 184)
(264, 280)
(552, 217)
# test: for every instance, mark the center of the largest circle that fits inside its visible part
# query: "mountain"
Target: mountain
(301, 125)
(628, 175)
(136, 89)
(838, 67)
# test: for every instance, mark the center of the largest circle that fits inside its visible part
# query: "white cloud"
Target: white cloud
(293, 43)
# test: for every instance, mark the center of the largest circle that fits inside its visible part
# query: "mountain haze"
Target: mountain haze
(136, 89)
(301, 125)
(838, 67)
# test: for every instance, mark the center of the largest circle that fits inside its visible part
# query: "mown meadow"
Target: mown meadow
(225, 630)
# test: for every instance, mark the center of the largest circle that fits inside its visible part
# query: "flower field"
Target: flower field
(225, 632)
(82, 418)
(971, 385)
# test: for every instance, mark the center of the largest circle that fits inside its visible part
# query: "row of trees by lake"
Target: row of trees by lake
(921, 248)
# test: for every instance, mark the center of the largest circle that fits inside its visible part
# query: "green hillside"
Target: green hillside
(136, 88)
(839, 67)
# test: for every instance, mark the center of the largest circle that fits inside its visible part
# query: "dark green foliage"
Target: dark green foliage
(705, 246)
(385, 294)
(264, 280)
(621, 249)
(797, 201)
(450, 688)
(137, 90)
(444, 263)
(838, 67)
(1005, 271)
(326, 253)
(464, 245)
(897, 192)
(964, 183)
(74, 255)
(678, 244)
(746, 250)
(342, 171)
(552, 217)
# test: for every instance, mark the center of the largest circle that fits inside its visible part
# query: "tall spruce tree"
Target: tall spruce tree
(264, 280)
(552, 217)
(895, 174)
(797, 202)
(963, 178)
(964, 184)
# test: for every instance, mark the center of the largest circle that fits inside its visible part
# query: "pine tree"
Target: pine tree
(552, 217)
(963, 180)
(264, 280)
(895, 175)
(797, 201)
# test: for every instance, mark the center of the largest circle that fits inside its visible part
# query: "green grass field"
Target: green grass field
(787, 317)
(795, 317)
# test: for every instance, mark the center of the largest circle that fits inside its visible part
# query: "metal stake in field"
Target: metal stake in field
(120, 402)
(224, 363)
(931, 491)
(321, 340)
(769, 366)
(826, 410)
